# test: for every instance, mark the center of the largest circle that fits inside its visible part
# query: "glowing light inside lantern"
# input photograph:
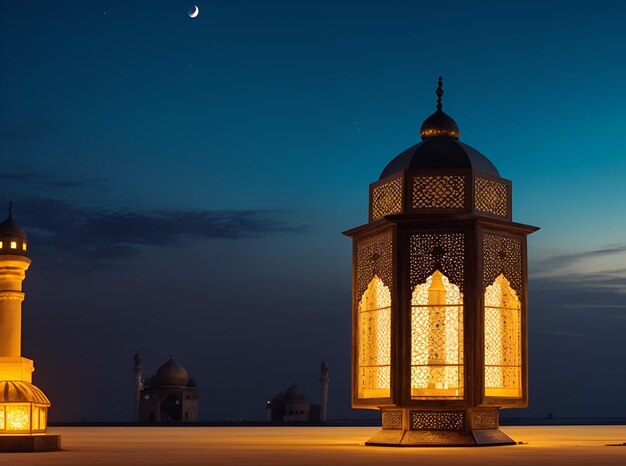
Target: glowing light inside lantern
(18, 417)
(374, 341)
(503, 348)
(437, 339)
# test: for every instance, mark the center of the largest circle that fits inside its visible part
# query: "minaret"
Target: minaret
(13, 266)
(24, 406)
(138, 384)
(324, 398)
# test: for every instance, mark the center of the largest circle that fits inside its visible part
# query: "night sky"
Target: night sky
(184, 184)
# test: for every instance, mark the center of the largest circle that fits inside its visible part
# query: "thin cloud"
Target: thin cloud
(34, 178)
(600, 294)
(563, 260)
(69, 232)
(562, 333)
(24, 131)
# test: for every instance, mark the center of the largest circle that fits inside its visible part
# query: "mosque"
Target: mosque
(168, 396)
(292, 405)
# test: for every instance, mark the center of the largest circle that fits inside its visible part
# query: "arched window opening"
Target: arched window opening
(503, 346)
(437, 339)
(374, 341)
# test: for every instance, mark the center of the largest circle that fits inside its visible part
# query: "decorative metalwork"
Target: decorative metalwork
(437, 339)
(502, 255)
(438, 192)
(386, 199)
(503, 345)
(374, 341)
(437, 251)
(437, 420)
(485, 419)
(487, 436)
(392, 419)
(491, 196)
(437, 437)
(373, 257)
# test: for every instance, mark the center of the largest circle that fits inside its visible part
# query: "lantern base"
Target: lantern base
(26, 443)
(440, 428)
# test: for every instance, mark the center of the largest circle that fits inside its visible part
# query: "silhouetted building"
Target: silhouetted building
(292, 406)
(168, 396)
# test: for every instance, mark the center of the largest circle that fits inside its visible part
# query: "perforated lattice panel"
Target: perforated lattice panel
(485, 419)
(437, 251)
(386, 199)
(502, 255)
(373, 257)
(437, 420)
(374, 341)
(491, 197)
(503, 353)
(392, 419)
(438, 192)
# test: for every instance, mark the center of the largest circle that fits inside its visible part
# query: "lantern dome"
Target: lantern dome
(13, 240)
(440, 148)
(294, 393)
(440, 153)
(18, 391)
(171, 374)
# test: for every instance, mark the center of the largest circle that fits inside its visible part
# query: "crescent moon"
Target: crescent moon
(193, 11)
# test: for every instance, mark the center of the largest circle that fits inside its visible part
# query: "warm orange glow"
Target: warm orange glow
(13, 244)
(437, 339)
(503, 350)
(42, 418)
(374, 341)
(18, 417)
(23, 247)
(35, 418)
(15, 418)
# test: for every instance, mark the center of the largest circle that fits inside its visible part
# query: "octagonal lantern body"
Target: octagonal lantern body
(23, 408)
(440, 301)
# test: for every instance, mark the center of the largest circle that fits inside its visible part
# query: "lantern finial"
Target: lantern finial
(11, 209)
(439, 123)
(439, 93)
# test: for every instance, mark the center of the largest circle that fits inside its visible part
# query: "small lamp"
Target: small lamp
(23, 406)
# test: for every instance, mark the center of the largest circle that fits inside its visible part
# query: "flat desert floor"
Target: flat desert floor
(327, 446)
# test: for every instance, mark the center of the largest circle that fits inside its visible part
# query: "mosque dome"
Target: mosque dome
(294, 393)
(440, 148)
(171, 374)
(13, 239)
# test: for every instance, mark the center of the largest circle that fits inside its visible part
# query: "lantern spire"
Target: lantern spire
(439, 123)
(439, 93)
(11, 209)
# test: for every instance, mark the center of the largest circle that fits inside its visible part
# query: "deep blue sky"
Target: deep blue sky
(184, 183)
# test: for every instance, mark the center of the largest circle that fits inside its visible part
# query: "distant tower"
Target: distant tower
(138, 384)
(324, 398)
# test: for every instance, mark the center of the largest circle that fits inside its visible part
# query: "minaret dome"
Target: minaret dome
(13, 240)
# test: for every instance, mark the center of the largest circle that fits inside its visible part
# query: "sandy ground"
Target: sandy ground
(190, 446)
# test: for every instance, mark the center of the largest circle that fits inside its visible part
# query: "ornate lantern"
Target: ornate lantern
(23, 406)
(439, 296)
